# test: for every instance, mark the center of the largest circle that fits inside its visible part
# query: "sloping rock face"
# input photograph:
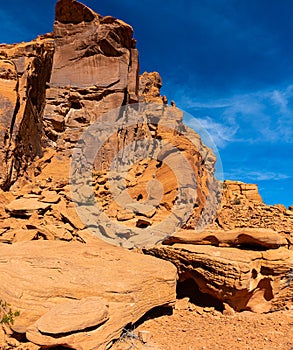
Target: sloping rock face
(78, 295)
(94, 70)
(169, 176)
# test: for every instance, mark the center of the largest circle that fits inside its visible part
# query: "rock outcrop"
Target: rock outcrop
(80, 296)
(94, 71)
(246, 279)
(53, 90)
(25, 70)
(241, 206)
(150, 88)
(244, 258)
(254, 238)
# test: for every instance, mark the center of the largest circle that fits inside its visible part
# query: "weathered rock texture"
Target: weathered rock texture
(244, 258)
(241, 206)
(80, 295)
(93, 69)
(150, 88)
(259, 281)
(179, 162)
(258, 237)
(52, 90)
(24, 71)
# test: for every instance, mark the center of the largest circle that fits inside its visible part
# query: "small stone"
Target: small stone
(145, 336)
(2, 336)
(182, 304)
(23, 235)
(228, 310)
(13, 342)
(127, 245)
(208, 309)
(50, 197)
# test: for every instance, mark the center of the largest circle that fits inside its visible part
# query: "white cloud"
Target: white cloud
(280, 100)
(212, 131)
(253, 175)
(261, 116)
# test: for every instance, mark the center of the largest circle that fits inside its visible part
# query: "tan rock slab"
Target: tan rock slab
(26, 207)
(80, 295)
(74, 316)
(253, 237)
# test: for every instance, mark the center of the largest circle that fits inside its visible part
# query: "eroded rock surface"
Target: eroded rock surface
(80, 295)
(94, 70)
(52, 90)
(24, 71)
(258, 281)
(241, 206)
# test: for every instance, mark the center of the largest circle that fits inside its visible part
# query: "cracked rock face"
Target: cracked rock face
(95, 69)
(24, 71)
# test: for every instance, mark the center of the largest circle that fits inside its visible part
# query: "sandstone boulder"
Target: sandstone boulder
(80, 295)
(245, 279)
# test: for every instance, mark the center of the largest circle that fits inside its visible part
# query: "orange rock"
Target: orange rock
(80, 295)
(240, 237)
(245, 279)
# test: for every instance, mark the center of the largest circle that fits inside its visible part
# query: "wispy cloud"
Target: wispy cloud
(212, 131)
(261, 116)
(253, 175)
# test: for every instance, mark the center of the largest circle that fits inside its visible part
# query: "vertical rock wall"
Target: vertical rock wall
(24, 71)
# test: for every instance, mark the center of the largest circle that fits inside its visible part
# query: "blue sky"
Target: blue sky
(229, 63)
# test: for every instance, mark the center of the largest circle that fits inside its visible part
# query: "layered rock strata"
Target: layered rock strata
(80, 295)
(52, 90)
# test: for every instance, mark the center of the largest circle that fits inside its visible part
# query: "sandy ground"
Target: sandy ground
(197, 328)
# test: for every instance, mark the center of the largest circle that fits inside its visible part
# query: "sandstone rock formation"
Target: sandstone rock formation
(78, 295)
(53, 89)
(94, 71)
(245, 279)
(235, 191)
(241, 206)
(150, 88)
(24, 71)
(257, 238)
(245, 231)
